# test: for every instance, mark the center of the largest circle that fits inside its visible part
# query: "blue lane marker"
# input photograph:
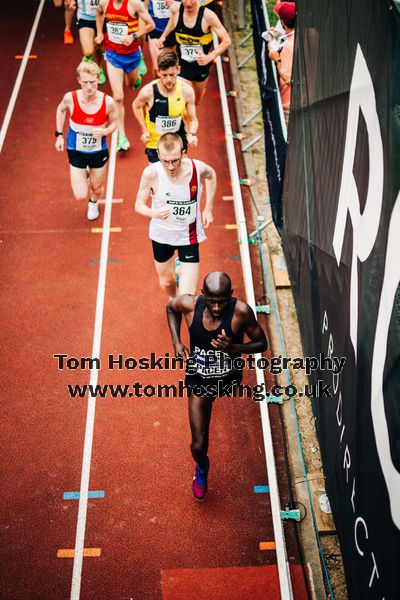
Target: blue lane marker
(261, 489)
(76, 495)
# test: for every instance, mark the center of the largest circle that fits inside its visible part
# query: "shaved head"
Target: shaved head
(217, 283)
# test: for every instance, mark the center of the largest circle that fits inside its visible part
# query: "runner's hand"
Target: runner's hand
(160, 42)
(192, 139)
(181, 350)
(222, 342)
(99, 38)
(162, 213)
(60, 143)
(99, 132)
(204, 59)
(127, 41)
(145, 137)
(207, 218)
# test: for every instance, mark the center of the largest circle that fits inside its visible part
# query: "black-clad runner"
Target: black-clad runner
(217, 323)
(194, 26)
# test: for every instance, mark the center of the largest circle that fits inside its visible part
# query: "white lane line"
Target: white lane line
(285, 583)
(98, 323)
(18, 81)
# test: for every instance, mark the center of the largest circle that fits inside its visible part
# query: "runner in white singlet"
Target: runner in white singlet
(177, 223)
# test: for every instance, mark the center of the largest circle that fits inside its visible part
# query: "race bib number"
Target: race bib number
(161, 9)
(182, 213)
(212, 363)
(190, 53)
(117, 32)
(91, 7)
(86, 142)
(168, 124)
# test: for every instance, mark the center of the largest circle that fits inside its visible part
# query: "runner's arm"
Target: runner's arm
(112, 117)
(211, 186)
(60, 120)
(174, 8)
(146, 22)
(145, 189)
(224, 41)
(139, 106)
(183, 304)
(100, 17)
(252, 328)
(191, 121)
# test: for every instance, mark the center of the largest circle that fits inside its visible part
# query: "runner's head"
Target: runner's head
(168, 68)
(170, 148)
(88, 77)
(217, 291)
(190, 6)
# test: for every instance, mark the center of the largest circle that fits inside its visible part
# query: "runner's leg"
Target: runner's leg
(200, 409)
(86, 38)
(79, 183)
(188, 277)
(132, 77)
(166, 276)
(154, 52)
(69, 16)
(97, 182)
(116, 79)
(199, 89)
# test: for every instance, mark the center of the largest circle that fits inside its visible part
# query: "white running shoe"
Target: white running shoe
(93, 210)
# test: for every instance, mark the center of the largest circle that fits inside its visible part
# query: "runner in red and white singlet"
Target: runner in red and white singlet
(93, 115)
(177, 223)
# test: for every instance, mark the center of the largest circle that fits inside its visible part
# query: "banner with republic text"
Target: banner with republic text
(342, 244)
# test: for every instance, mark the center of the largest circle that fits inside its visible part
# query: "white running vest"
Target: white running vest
(183, 226)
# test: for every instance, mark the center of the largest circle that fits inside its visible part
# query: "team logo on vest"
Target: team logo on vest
(193, 188)
(89, 120)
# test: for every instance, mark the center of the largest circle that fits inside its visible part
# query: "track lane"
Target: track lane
(147, 523)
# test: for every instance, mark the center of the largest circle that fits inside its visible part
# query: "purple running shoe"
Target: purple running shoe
(199, 484)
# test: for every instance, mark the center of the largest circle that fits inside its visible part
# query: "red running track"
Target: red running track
(155, 541)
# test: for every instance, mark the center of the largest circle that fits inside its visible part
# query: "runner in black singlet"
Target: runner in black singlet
(194, 27)
(216, 322)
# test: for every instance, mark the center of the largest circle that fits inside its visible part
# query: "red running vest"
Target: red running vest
(119, 24)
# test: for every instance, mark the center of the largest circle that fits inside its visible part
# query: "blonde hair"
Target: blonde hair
(91, 68)
(169, 141)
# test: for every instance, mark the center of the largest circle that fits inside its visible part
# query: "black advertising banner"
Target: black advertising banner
(275, 144)
(342, 244)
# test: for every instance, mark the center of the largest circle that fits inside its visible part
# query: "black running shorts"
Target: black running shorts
(82, 23)
(93, 160)
(187, 254)
(193, 71)
(214, 388)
